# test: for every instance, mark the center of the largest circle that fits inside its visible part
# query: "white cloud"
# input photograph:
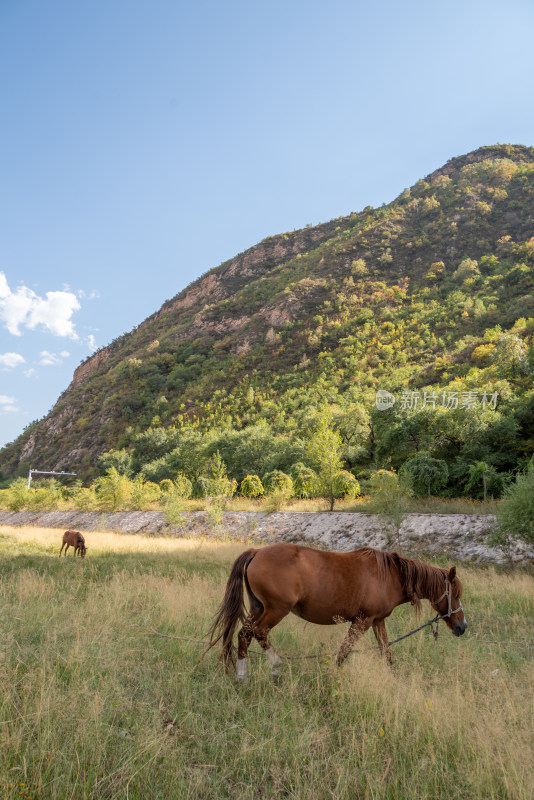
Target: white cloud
(91, 342)
(30, 373)
(92, 295)
(7, 404)
(24, 307)
(10, 360)
(51, 359)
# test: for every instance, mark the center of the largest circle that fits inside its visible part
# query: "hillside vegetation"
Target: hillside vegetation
(95, 706)
(429, 298)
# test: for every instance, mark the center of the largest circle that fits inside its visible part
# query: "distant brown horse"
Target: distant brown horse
(76, 540)
(361, 587)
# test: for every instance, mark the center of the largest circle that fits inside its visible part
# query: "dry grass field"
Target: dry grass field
(92, 705)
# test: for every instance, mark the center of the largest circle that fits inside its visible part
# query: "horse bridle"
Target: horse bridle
(448, 594)
(434, 622)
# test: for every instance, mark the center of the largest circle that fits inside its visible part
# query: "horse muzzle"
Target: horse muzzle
(460, 628)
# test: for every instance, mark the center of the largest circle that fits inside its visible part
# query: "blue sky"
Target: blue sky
(143, 143)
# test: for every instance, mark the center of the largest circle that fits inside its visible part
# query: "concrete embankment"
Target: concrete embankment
(461, 537)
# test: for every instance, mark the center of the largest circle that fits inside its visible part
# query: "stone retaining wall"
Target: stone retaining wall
(461, 537)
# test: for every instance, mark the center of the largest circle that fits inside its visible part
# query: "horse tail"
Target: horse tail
(232, 609)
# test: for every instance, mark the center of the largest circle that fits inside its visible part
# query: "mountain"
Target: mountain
(422, 292)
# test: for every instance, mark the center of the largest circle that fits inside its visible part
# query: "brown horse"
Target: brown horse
(76, 540)
(361, 587)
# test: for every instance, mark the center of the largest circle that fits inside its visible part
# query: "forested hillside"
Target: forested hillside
(429, 298)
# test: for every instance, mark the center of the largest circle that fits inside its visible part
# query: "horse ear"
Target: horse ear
(452, 574)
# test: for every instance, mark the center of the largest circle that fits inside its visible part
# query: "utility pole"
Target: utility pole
(41, 472)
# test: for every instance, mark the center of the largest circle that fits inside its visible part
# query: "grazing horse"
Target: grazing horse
(76, 540)
(361, 587)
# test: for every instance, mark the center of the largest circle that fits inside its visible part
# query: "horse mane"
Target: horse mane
(419, 580)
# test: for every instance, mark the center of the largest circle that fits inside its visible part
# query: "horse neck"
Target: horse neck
(420, 581)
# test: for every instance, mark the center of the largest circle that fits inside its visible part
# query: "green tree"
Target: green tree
(510, 356)
(191, 456)
(426, 473)
(152, 444)
(390, 499)
(482, 473)
(324, 453)
(468, 268)
(120, 459)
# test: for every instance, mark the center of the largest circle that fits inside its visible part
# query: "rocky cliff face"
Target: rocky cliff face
(222, 283)
(85, 369)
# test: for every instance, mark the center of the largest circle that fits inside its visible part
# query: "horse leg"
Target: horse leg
(62, 546)
(261, 629)
(379, 630)
(357, 628)
(67, 547)
(244, 638)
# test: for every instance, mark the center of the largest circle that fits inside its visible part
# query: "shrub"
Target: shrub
(304, 480)
(47, 495)
(41, 499)
(113, 490)
(214, 487)
(217, 484)
(251, 486)
(173, 509)
(345, 484)
(173, 495)
(515, 515)
(278, 481)
(16, 497)
(144, 495)
(181, 486)
(86, 499)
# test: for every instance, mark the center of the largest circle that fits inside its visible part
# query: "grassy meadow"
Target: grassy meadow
(93, 705)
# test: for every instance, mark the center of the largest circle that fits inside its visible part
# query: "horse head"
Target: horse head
(449, 606)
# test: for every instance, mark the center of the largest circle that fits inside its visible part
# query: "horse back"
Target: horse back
(318, 585)
(73, 538)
